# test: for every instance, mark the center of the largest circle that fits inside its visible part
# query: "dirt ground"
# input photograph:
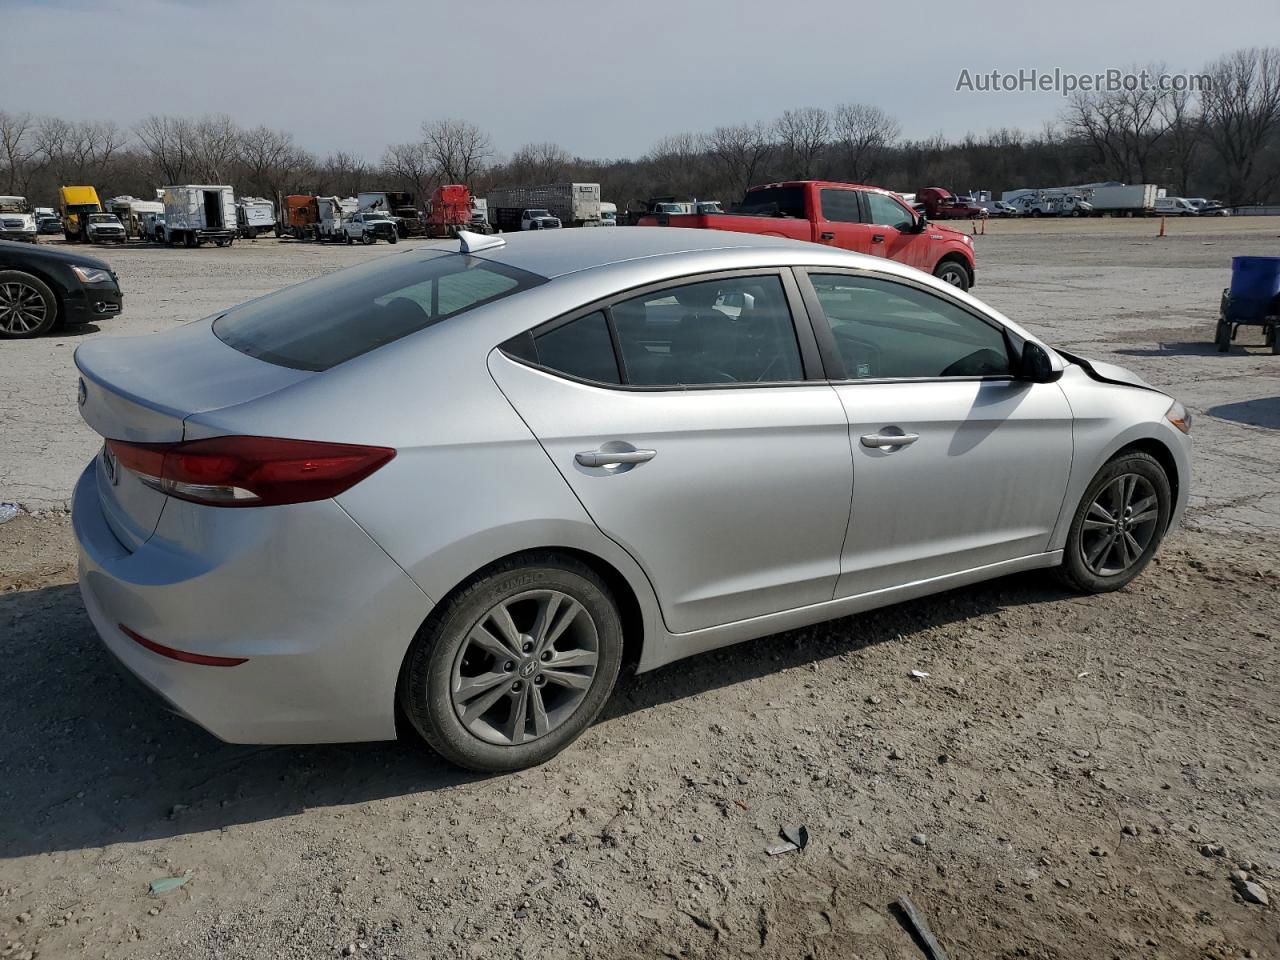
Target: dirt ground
(1076, 777)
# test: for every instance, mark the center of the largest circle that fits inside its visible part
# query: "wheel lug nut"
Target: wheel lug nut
(539, 680)
(546, 656)
(515, 687)
(527, 647)
(508, 666)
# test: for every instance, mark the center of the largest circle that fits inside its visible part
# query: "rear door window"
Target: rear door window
(730, 331)
(841, 206)
(320, 323)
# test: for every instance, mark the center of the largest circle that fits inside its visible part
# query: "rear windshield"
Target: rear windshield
(774, 202)
(320, 323)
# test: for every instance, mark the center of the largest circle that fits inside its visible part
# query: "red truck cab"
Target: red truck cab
(941, 204)
(846, 215)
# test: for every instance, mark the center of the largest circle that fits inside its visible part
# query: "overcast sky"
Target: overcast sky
(603, 78)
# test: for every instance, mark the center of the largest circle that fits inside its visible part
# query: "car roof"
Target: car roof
(555, 253)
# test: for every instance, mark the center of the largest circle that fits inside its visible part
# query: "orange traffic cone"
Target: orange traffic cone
(1161, 233)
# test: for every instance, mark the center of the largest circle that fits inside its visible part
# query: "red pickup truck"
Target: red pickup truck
(846, 215)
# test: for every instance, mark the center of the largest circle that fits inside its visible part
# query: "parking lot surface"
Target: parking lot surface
(1075, 777)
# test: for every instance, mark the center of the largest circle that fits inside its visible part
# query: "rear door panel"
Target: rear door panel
(743, 509)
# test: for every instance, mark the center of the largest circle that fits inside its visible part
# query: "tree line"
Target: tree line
(1221, 141)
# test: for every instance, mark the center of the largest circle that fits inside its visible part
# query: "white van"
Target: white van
(1175, 207)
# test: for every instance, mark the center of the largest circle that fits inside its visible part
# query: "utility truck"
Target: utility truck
(254, 216)
(198, 212)
(133, 214)
(74, 203)
(334, 213)
(573, 204)
(17, 220)
(398, 205)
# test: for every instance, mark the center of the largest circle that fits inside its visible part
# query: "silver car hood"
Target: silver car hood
(1110, 372)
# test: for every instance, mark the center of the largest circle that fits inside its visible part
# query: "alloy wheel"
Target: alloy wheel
(1119, 525)
(22, 309)
(525, 667)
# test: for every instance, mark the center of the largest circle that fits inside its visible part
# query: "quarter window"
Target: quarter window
(885, 211)
(581, 348)
(884, 329)
(737, 330)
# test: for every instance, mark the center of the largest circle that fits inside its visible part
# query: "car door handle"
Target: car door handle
(877, 440)
(827, 236)
(609, 458)
(877, 238)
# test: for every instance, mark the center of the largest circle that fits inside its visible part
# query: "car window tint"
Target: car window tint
(714, 332)
(320, 323)
(885, 211)
(841, 206)
(581, 348)
(887, 329)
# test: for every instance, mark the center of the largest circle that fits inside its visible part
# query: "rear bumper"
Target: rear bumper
(321, 613)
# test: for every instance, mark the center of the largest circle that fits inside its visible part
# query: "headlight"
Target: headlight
(92, 274)
(1179, 417)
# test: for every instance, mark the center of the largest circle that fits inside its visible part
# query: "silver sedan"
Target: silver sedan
(476, 478)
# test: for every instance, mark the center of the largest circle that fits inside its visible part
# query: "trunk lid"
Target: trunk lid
(142, 389)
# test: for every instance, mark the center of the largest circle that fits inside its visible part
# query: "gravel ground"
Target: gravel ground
(1076, 777)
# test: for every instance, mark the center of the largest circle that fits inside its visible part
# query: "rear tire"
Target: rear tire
(490, 731)
(1109, 515)
(28, 307)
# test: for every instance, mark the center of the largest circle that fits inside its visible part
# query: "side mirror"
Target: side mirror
(921, 222)
(1036, 365)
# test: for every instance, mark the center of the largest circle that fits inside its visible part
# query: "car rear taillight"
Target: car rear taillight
(249, 471)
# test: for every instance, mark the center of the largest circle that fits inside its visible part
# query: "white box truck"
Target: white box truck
(196, 212)
(573, 204)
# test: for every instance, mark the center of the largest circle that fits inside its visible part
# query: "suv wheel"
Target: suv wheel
(511, 668)
(28, 307)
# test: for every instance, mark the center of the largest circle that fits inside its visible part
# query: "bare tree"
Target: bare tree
(1242, 115)
(20, 150)
(863, 134)
(1184, 125)
(676, 162)
(345, 174)
(539, 163)
(78, 151)
(1123, 127)
(167, 142)
(742, 152)
(803, 134)
(271, 162)
(412, 165)
(215, 146)
(458, 149)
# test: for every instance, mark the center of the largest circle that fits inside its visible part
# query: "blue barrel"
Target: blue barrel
(1255, 285)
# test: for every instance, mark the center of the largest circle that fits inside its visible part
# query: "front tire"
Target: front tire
(28, 307)
(954, 273)
(1118, 525)
(510, 669)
